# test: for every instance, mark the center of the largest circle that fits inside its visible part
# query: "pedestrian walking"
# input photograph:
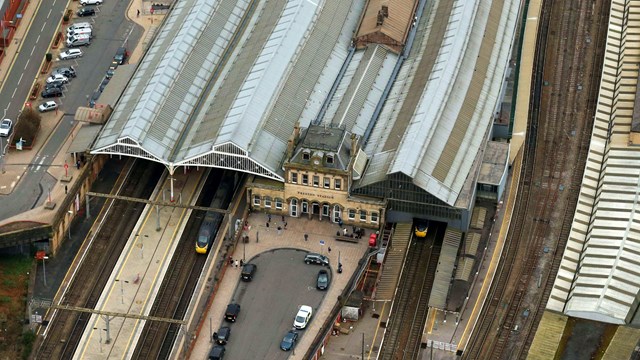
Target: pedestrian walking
(230, 261)
(329, 248)
(237, 262)
(282, 218)
(66, 189)
(285, 225)
(269, 218)
(78, 164)
(138, 13)
(241, 262)
(306, 237)
(267, 224)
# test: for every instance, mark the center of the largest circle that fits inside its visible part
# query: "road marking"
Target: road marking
(43, 25)
(14, 93)
(38, 38)
(49, 14)
(20, 80)
(32, 50)
(40, 163)
(27, 63)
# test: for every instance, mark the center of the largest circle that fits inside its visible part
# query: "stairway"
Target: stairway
(393, 262)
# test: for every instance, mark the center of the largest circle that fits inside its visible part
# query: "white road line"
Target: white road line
(19, 80)
(27, 63)
(43, 25)
(38, 38)
(40, 164)
(14, 93)
(32, 50)
(49, 14)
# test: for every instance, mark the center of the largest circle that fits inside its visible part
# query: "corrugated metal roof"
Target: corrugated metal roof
(438, 113)
(598, 277)
(444, 271)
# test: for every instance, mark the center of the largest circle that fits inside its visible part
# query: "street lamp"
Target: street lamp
(69, 226)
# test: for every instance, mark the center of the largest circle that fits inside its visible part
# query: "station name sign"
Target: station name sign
(316, 195)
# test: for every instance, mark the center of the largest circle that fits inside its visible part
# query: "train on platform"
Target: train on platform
(213, 219)
(421, 228)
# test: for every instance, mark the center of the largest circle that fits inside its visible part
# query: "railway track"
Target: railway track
(174, 295)
(558, 133)
(403, 334)
(66, 327)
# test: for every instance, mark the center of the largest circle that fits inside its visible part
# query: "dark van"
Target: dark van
(121, 55)
(216, 353)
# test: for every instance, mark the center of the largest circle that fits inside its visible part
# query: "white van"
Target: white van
(78, 40)
(77, 26)
(76, 32)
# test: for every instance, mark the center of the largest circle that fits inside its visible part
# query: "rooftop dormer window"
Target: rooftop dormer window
(329, 159)
(306, 155)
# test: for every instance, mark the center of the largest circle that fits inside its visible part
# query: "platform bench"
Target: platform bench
(347, 239)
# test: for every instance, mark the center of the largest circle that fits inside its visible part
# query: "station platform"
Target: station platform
(293, 237)
(139, 272)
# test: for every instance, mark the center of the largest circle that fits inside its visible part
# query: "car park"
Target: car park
(48, 106)
(217, 352)
(302, 317)
(51, 92)
(90, 2)
(222, 336)
(322, 281)
(70, 54)
(57, 78)
(289, 340)
(86, 11)
(67, 71)
(233, 310)
(121, 55)
(5, 127)
(316, 259)
(248, 271)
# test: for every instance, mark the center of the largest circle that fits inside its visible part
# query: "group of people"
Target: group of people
(236, 262)
(284, 222)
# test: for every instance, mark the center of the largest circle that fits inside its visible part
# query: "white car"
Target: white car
(48, 106)
(302, 317)
(57, 78)
(5, 127)
(70, 54)
(90, 2)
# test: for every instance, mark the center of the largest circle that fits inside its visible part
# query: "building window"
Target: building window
(325, 210)
(305, 179)
(329, 159)
(337, 213)
(279, 204)
(294, 178)
(267, 201)
(316, 180)
(256, 200)
(363, 215)
(306, 155)
(337, 184)
(352, 214)
(327, 183)
(374, 217)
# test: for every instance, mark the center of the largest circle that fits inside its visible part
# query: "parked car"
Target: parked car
(90, 2)
(57, 78)
(67, 71)
(5, 127)
(104, 83)
(86, 11)
(51, 92)
(56, 85)
(302, 317)
(232, 312)
(77, 40)
(217, 352)
(48, 106)
(316, 259)
(289, 340)
(322, 282)
(248, 270)
(121, 55)
(70, 54)
(94, 98)
(222, 336)
(78, 26)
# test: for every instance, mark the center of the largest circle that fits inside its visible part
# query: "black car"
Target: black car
(67, 71)
(216, 353)
(104, 83)
(289, 340)
(222, 336)
(94, 98)
(121, 55)
(232, 312)
(322, 282)
(51, 92)
(316, 259)
(248, 270)
(86, 11)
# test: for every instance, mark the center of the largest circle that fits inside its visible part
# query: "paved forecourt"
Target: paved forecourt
(270, 238)
(137, 276)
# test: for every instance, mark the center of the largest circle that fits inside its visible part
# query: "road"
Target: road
(111, 30)
(270, 302)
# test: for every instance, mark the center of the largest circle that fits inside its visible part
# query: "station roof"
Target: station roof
(436, 118)
(224, 83)
(386, 22)
(599, 275)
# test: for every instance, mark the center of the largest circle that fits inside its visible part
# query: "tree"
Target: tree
(27, 126)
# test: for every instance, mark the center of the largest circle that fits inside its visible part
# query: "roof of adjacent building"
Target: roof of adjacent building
(324, 142)
(224, 82)
(599, 275)
(386, 22)
(494, 163)
(436, 118)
